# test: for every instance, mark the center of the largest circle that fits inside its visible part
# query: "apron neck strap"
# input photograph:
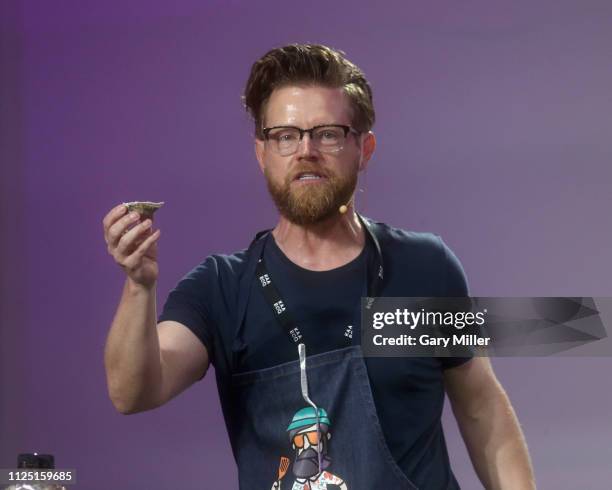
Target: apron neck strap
(256, 267)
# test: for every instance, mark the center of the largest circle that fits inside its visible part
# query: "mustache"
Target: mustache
(309, 453)
(312, 456)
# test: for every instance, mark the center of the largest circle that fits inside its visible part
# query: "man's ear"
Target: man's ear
(328, 436)
(368, 146)
(259, 151)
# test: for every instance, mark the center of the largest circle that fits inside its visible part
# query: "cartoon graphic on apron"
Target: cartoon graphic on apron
(309, 436)
(309, 444)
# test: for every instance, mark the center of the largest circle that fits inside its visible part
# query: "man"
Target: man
(309, 436)
(277, 319)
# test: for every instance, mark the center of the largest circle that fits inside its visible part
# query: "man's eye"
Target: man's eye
(286, 137)
(329, 135)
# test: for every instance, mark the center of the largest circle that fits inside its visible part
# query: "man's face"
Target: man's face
(308, 445)
(309, 438)
(307, 199)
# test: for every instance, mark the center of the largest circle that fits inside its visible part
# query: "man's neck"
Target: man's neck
(322, 246)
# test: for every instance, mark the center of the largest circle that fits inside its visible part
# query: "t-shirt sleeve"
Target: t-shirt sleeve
(191, 302)
(456, 281)
(456, 286)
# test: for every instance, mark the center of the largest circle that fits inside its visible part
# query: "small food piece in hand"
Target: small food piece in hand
(144, 208)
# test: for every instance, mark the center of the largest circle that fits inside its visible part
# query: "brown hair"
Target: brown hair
(308, 64)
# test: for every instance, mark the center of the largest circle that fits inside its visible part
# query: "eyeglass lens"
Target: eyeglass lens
(298, 439)
(287, 140)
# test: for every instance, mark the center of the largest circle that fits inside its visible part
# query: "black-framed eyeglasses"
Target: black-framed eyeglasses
(328, 138)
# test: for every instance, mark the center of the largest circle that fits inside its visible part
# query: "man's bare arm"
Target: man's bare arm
(489, 426)
(146, 365)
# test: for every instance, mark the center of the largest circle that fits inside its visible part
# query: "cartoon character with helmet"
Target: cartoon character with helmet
(309, 436)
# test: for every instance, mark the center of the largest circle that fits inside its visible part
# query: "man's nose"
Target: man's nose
(306, 146)
(306, 442)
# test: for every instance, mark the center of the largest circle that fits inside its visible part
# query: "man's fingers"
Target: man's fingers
(133, 261)
(117, 230)
(131, 239)
(113, 215)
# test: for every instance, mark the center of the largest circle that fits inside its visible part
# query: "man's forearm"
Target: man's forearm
(496, 444)
(132, 358)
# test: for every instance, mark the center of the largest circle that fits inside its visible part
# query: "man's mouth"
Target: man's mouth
(308, 176)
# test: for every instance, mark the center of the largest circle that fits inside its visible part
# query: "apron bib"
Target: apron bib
(310, 423)
(268, 402)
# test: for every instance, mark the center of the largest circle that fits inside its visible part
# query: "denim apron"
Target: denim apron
(310, 423)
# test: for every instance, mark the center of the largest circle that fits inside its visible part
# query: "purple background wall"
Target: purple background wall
(494, 125)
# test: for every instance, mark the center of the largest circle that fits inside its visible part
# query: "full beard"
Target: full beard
(311, 203)
(306, 464)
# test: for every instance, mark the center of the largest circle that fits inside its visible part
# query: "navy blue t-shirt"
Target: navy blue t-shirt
(408, 392)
